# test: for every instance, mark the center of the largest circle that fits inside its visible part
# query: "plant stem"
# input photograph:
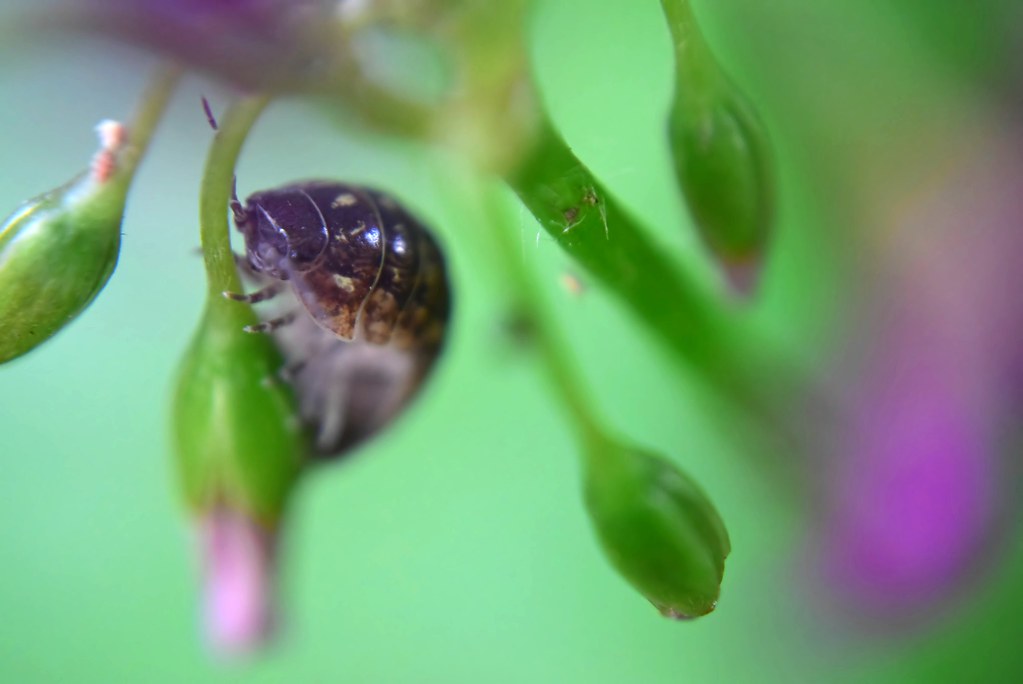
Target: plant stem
(530, 306)
(217, 186)
(694, 62)
(600, 235)
(593, 228)
(377, 108)
(151, 108)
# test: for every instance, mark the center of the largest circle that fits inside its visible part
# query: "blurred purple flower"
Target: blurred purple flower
(278, 44)
(915, 495)
(238, 558)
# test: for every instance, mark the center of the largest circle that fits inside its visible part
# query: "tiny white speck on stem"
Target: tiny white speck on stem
(112, 136)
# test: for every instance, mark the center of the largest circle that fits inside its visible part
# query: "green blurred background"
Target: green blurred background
(455, 547)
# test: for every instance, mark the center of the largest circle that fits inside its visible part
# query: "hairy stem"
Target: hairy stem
(593, 228)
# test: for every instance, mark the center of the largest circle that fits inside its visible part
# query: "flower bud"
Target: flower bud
(239, 448)
(657, 528)
(235, 427)
(238, 559)
(721, 155)
(57, 251)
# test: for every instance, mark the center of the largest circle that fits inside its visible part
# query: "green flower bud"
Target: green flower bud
(657, 528)
(237, 437)
(57, 251)
(721, 156)
(238, 440)
(239, 447)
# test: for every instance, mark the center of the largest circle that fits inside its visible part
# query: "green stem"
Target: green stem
(377, 108)
(150, 110)
(530, 306)
(600, 235)
(592, 227)
(694, 62)
(348, 90)
(214, 196)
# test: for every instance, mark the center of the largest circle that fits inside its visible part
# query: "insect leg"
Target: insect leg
(237, 208)
(271, 325)
(289, 371)
(266, 293)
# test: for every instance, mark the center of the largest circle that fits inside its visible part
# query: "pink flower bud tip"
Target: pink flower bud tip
(742, 276)
(238, 559)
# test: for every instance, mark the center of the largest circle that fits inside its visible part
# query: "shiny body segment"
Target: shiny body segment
(357, 261)
(373, 282)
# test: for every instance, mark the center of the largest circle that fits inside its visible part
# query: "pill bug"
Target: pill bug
(360, 301)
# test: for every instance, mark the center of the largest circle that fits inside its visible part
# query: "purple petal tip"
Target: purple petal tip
(238, 569)
(742, 277)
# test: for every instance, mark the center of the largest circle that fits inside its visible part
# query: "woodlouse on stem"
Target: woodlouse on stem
(360, 301)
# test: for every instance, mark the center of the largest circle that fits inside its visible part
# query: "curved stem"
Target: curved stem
(377, 108)
(215, 194)
(589, 224)
(557, 361)
(694, 61)
(594, 229)
(150, 110)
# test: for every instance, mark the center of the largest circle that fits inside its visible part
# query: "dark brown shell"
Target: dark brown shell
(358, 262)
(373, 280)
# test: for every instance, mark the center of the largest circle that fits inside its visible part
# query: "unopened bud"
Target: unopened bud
(239, 448)
(237, 437)
(721, 156)
(238, 567)
(57, 251)
(658, 529)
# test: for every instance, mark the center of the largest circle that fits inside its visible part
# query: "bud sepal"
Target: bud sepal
(58, 250)
(237, 435)
(721, 154)
(657, 527)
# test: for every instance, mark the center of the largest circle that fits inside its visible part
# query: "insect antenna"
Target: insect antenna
(212, 120)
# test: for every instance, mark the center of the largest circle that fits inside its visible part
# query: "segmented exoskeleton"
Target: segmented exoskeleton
(361, 299)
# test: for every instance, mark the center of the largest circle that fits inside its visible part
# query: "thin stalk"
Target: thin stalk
(378, 109)
(595, 230)
(150, 110)
(557, 362)
(214, 196)
(694, 62)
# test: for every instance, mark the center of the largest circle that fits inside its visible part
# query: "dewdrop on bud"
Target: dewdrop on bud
(57, 251)
(658, 529)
